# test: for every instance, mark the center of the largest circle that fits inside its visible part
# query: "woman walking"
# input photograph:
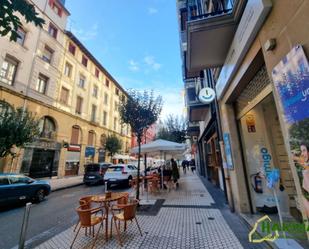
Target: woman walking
(175, 172)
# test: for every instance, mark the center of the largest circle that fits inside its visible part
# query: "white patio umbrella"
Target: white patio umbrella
(161, 147)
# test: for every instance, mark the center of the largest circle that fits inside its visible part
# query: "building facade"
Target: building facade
(256, 53)
(41, 72)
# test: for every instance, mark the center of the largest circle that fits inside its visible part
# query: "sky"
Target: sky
(137, 41)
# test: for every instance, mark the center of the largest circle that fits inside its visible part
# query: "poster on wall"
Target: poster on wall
(291, 79)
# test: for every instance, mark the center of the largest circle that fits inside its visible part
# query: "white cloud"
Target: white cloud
(133, 66)
(88, 34)
(150, 61)
(152, 11)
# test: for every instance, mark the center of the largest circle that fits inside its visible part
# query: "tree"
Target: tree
(140, 110)
(10, 22)
(17, 127)
(113, 145)
(173, 129)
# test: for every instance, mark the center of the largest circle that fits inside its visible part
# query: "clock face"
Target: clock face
(207, 95)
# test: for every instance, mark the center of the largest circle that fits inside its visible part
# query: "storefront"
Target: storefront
(89, 154)
(72, 161)
(41, 159)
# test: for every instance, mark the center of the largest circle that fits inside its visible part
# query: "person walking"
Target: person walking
(175, 172)
(184, 166)
(192, 164)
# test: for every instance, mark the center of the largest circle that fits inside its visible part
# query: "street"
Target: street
(47, 219)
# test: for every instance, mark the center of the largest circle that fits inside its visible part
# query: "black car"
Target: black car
(94, 173)
(16, 188)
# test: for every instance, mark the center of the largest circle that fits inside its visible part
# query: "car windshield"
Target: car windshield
(19, 179)
(4, 180)
(115, 169)
(92, 168)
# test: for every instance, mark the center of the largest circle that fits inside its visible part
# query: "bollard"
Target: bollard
(105, 187)
(24, 226)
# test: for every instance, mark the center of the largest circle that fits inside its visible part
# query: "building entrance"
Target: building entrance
(42, 163)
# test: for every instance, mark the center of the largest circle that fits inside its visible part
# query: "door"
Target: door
(42, 163)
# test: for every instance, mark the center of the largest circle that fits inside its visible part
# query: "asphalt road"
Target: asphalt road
(46, 219)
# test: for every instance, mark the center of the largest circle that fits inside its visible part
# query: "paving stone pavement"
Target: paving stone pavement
(187, 219)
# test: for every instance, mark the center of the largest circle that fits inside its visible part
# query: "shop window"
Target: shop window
(79, 105)
(52, 30)
(64, 96)
(22, 36)
(47, 128)
(72, 48)
(8, 70)
(91, 138)
(47, 54)
(42, 82)
(75, 135)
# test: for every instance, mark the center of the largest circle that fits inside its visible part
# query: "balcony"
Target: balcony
(193, 129)
(210, 29)
(197, 111)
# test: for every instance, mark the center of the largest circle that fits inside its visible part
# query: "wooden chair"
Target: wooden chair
(154, 185)
(86, 203)
(167, 180)
(88, 220)
(128, 213)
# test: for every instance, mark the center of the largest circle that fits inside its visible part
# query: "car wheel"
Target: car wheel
(40, 195)
(128, 181)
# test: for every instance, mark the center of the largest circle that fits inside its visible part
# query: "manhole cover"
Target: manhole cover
(198, 223)
(211, 218)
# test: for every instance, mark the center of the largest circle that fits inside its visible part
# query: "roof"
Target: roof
(93, 59)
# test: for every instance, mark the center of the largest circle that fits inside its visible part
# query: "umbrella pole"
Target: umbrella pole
(161, 171)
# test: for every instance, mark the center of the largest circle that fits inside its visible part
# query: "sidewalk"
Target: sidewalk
(188, 218)
(66, 182)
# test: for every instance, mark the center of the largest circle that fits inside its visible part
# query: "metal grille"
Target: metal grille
(255, 86)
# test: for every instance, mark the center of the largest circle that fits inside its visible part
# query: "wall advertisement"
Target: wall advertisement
(291, 79)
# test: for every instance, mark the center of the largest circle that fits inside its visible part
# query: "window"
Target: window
(8, 70)
(117, 91)
(47, 128)
(72, 48)
(107, 82)
(47, 54)
(79, 105)
(115, 124)
(97, 73)
(41, 86)
(95, 91)
(84, 61)
(104, 118)
(116, 106)
(64, 97)
(82, 81)
(52, 30)
(68, 69)
(22, 36)
(105, 98)
(93, 113)
(75, 135)
(19, 179)
(4, 180)
(55, 7)
(183, 19)
(91, 138)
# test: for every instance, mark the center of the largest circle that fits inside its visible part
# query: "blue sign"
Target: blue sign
(228, 151)
(89, 151)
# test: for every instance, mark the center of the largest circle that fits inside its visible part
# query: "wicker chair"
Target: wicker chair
(128, 213)
(88, 220)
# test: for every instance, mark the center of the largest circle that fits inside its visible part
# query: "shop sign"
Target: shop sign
(89, 151)
(228, 151)
(42, 144)
(73, 147)
(207, 95)
(250, 122)
(291, 80)
(252, 19)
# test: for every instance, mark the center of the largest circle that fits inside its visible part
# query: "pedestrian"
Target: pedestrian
(184, 165)
(175, 172)
(192, 164)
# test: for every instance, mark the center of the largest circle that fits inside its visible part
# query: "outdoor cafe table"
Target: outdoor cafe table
(106, 202)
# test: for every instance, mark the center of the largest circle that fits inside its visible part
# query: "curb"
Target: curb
(66, 187)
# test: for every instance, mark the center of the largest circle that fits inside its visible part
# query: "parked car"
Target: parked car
(94, 173)
(17, 188)
(120, 174)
